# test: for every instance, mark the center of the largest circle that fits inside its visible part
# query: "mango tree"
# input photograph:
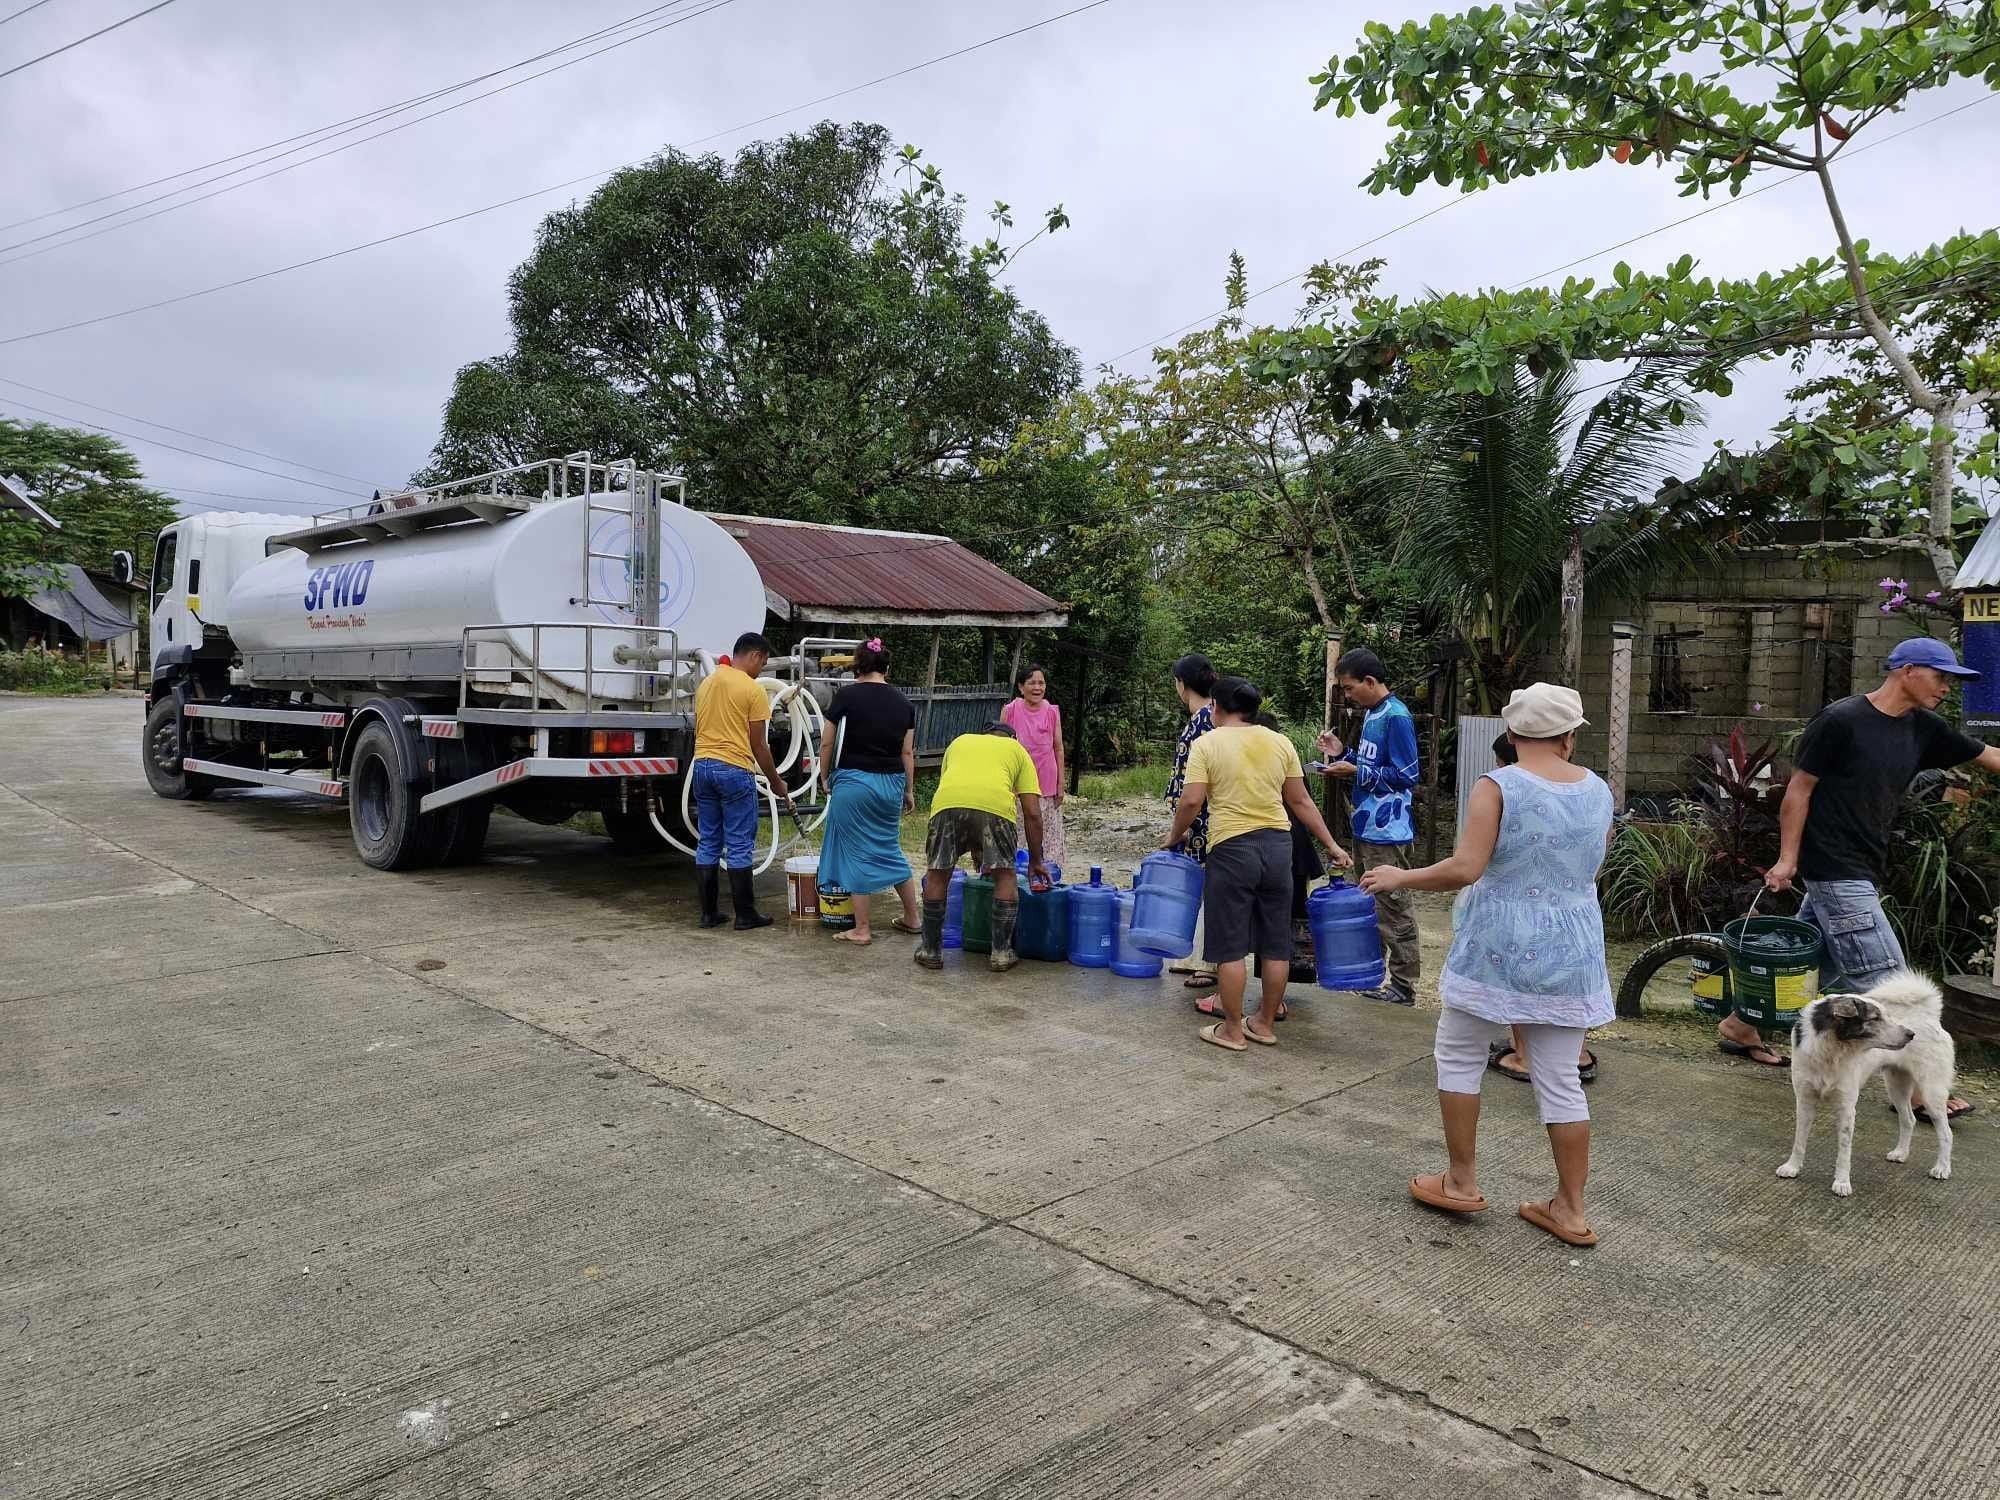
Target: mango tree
(1718, 93)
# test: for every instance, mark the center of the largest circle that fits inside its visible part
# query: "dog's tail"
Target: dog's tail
(1909, 990)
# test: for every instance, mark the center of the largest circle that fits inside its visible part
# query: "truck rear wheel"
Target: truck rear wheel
(382, 802)
(161, 753)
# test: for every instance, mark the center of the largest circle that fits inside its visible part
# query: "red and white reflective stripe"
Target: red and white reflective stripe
(646, 767)
(443, 729)
(512, 772)
(332, 721)
(333, 789)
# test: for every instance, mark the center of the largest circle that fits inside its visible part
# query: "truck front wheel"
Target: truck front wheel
(389, 832)
(161, 753)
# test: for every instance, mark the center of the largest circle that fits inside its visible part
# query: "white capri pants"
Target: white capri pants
(1461, 1049)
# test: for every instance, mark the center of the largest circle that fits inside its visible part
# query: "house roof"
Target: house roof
(14, 497)
(847, 575)
(1982, 564)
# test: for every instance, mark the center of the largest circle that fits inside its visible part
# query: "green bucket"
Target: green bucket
(1773, 969)
(1709, 979)
(978, 920)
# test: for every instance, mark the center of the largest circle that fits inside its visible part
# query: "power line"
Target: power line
(1287, 281)
(68, 46)
(276, 171)
(539, 192)
(182, 431)
(1566, 265)
(181, 489)
(366, 117)
(22, 11)
(176, 448)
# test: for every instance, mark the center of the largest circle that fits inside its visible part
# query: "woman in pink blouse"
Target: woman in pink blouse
(1037, 724)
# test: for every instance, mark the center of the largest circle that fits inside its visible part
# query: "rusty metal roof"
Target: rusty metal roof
(845, 575)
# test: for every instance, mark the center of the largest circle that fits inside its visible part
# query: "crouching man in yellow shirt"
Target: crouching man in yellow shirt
(985, 777)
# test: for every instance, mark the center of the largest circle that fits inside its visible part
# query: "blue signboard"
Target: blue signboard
(1981, 642)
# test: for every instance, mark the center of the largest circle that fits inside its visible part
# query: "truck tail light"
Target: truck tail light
(611, 742)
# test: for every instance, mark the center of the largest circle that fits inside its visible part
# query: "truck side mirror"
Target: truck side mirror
(122, 570)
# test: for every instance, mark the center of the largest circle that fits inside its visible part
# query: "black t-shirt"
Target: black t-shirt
(877, 717)
(1865, 762)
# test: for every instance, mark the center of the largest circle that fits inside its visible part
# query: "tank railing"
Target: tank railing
(664, 691)
(547, 479)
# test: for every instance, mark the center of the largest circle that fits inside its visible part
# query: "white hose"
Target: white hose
(806, 718)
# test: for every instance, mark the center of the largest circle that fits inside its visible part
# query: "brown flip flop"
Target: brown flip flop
(1437, 1197)
(901, 926)
(1537, 1214)
(1208, 1034)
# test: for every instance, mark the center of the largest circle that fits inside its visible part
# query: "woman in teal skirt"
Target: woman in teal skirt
(869, 752)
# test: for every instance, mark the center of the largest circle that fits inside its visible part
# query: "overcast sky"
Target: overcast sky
(1172, 130)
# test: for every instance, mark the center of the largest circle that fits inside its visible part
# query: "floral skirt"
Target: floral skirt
(1052, 833)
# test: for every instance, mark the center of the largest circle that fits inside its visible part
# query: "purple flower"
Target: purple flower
(1902, 585)
(1756, 708)
(1933, 597)
(1887, 585)
(1900, 601)
(1885, 609)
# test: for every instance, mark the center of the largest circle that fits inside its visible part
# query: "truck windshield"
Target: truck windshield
(163, 565)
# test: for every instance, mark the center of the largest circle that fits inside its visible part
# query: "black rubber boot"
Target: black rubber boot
(930, 947)
(746, 902)
(1003, 957)
(708, 882)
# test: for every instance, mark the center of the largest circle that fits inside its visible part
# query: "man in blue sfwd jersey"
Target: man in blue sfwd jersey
(1382, 768)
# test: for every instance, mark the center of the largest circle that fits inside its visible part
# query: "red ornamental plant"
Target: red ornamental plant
(1742, 790)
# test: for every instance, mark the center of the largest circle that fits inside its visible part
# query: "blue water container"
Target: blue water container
(1166, 904)
(1347, 942)
(1128, 960)
(954, 911)
(1092, 921)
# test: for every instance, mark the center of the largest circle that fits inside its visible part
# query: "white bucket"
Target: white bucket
(802, 885)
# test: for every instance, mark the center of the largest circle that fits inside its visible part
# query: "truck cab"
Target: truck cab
(195, 561)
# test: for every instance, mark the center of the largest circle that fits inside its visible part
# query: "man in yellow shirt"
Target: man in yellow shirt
(1247, 777)
(731, 745)
(984, 778)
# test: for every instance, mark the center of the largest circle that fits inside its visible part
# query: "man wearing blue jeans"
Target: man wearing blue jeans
(731, 745)
(1855, 762)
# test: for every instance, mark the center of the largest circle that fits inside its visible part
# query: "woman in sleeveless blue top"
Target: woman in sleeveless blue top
(1529, 951)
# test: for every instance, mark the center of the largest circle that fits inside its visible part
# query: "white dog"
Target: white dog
(1843, 1040)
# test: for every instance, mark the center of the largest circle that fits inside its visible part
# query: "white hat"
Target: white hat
(1542, 711)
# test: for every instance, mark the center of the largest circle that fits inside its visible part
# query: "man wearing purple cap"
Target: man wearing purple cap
(1855, 761)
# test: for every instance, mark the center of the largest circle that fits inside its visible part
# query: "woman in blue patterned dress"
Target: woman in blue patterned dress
(1194, 682)
(1529, 951)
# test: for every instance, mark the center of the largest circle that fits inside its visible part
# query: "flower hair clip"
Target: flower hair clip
(873, 643)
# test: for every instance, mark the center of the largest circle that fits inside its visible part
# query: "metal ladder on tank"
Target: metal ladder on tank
(641, 495)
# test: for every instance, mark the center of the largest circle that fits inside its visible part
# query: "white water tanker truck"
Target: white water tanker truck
(531, 637)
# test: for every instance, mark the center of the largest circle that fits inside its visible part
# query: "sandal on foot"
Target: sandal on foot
(1751, 1049)
(1209, 1005)
(1430, 1192)
(1586, 1071)
(1965, 1107)
(1211, 1035)
(1262, 1041)
(1284, 1011)
(1203, 981)
(914, 929)
(849, 937)
(1538, 1215)
(1493, 1061)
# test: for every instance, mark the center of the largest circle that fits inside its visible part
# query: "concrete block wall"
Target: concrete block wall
(1761, 597)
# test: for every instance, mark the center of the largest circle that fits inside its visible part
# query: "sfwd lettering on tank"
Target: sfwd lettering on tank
(342, 587)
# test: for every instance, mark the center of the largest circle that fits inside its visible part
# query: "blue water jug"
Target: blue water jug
(1166, 904)
(1346, 941)
(1127, 959)
(1092, 919)
(1042, 930)
(954, 911)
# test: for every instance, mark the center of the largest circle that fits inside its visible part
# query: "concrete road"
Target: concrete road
(506, 1181)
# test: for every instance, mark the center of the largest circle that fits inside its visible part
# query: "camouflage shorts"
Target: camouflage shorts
(958, 831)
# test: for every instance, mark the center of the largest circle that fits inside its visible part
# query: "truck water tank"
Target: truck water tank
(423, 590)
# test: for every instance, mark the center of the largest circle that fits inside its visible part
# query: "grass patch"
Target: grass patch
(1147, 779)
(49, 673)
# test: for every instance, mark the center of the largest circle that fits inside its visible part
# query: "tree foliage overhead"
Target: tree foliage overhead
(1720, 91)
(788, 329)
(91, 484)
